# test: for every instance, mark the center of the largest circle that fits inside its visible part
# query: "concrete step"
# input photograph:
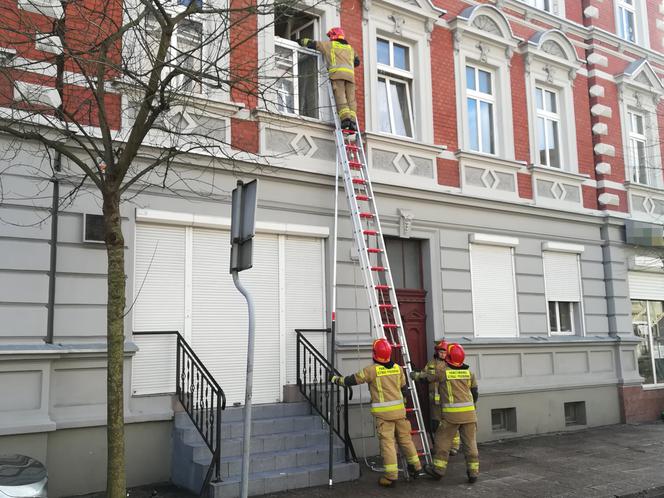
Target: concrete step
(286, 479)
(273, 460)
(258, 412)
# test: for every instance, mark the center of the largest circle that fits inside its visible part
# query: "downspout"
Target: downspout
(59, 31)
(50, 319)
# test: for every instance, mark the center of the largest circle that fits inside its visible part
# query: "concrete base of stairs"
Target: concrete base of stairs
(289, 450)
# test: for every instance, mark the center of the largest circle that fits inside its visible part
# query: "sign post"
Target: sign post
(243, 229)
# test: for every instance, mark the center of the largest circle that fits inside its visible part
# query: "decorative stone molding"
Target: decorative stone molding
(36, 94)
(596, 91)
(605, 150)
(48, 43)
(600, 129)
(488, 176)
(48, 8)
(405, 222)
(660, 24)
(601, 110)
(603, 168)
(591, 12)
(607, 199)
(598, 60)
(553, 187)
(399, 22)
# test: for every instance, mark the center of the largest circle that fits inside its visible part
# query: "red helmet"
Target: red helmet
(441, 346)
(455, 355)
(382, 351)
(336, 34)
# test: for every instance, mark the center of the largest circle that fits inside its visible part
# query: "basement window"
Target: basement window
(503, 420)
(93, 228)
(575, 413)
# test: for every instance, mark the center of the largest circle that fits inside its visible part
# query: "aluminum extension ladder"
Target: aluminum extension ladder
(383, 305)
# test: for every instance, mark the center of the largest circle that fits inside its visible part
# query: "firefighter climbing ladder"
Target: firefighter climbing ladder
(368, 236)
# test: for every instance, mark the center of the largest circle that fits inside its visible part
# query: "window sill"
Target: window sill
(553, 187)
(537, 169)
(489, 176)
(292, 119)
(652, 387)
(646, 203)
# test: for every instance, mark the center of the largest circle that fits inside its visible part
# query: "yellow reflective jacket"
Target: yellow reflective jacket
(385, 383)
(340, 57)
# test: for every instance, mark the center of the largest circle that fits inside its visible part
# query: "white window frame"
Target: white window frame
(555, 73)
(491, 52)
(391, 74)
(624, 9)
(577, 310)
(555, 7)
(639, 11)
(548, 116)
(481, 97)
(633, 161)
(651, 344)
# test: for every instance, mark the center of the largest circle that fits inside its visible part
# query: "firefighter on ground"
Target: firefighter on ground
(386, 380)
(434, 367)
(341, 63)
(458, 391)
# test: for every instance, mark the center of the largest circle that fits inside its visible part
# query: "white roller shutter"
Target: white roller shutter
(219, 314)
(561, 274)
(305, 296)
(159, 293)
(646, 285)
(494, 301)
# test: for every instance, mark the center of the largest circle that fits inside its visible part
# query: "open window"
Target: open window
(299, 85)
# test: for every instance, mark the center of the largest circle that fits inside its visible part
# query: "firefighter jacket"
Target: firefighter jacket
(458, 394)
(434, 369)
(339, 55)
(385, 383)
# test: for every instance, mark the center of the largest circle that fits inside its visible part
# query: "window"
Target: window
(503, 420)
(542, 4)
(627, 20)
(405, 258)
(563, 292)
(395, 111)
(494, 313)
(480, 101)
(648, 324)
(575, 413)
(548, 127)
(93, 228)
(636, 154)
(186, 51)
(297, 90)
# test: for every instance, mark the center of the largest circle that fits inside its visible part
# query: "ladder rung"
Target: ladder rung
(360, 181)
(377, 268)
(386, 306)
(369, 232)
(420, 453)
(410, 410)
(391, 326)
(397, 346)
(362, 197)
(375, 250)
(382, 287)
(346, 131)
(366, 215)
(352, 146)
(354, 165)
(414, 431)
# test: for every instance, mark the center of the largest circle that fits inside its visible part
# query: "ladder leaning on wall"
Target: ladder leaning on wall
(368, 237)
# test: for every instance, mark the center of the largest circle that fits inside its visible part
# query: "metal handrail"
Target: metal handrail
(201, 397)
(313, 379)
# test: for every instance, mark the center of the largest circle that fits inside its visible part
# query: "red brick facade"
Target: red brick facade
(641, 405)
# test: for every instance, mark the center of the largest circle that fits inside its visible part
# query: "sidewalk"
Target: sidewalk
(619, 460)
(609, 461)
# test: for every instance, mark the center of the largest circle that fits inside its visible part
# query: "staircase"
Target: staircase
(289, 450)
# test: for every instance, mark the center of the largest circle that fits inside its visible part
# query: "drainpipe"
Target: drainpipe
(50, 319)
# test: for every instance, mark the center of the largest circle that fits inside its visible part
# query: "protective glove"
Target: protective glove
(338, 380)
(415, 375)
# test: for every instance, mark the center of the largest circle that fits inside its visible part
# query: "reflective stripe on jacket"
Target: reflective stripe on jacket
(385, 385)
(457, 398)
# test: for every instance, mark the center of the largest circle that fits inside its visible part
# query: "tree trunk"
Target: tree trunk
(115, 472)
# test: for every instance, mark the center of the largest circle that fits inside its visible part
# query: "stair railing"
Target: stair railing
(201, 397)
(329, 400)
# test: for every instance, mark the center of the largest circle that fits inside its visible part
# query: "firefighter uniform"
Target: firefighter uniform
(386, 379)
(433, 370)
(458, 389)
(341, 62)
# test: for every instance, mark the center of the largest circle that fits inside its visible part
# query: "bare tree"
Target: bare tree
(107, 95)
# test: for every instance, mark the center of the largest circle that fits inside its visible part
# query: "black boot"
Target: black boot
(414, 473)
(471, 479)
(353, 125)
(346, 124)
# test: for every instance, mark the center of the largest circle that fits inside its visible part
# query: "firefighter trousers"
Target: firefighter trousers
(390, 432)
(443, 443)
(456, 442)
(344, 95)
